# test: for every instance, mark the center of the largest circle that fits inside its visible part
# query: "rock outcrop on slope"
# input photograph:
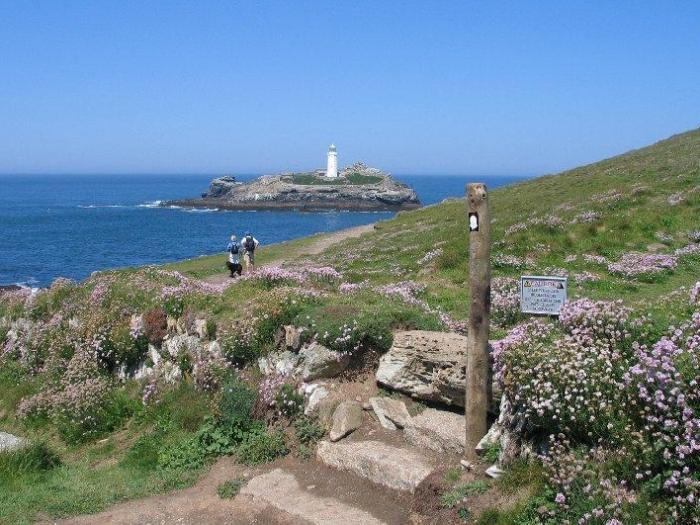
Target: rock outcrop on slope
(357, 188)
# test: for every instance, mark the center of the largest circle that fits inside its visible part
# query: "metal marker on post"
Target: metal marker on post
(476, 400)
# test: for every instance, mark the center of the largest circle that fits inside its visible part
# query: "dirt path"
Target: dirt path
(199, 504)
(287, 492)
(317, 247)
(326, 241)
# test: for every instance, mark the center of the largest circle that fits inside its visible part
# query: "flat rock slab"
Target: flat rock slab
(392, 467)
(281, 490)
(391, 413)
(10, 443)
(437, 430)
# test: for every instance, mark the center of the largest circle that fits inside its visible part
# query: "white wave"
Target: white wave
(94, 206)
(200, 210)
(152, 204)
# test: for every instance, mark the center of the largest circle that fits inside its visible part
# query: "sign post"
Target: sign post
(476, 394)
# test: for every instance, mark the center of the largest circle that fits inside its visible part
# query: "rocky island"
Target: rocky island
(354, 188)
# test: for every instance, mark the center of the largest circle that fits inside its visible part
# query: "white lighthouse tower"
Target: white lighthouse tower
(332, 166)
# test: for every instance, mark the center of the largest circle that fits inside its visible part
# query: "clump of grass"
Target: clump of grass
(230, 489)
(457, 494)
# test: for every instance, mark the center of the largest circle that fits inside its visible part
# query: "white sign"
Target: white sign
(542, 294)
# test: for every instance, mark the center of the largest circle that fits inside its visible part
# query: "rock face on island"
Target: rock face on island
(357, 187)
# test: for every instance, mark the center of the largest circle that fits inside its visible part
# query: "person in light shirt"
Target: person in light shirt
(249, 245)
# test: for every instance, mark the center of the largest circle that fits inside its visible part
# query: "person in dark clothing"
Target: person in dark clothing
(234, 262)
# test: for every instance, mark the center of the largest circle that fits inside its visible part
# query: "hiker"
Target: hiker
(234, 263)
(249, 244)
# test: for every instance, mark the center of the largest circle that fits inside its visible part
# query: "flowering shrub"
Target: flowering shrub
(607, 321)
(634, 403)
(349, 288)
(689, 249)
(585, 277)
(634, 264)
(505, 300)
(586, 217)
(695, 294)
(82, 404)
(595, 259)
(675, 199)
(429, 256)
(508, 261)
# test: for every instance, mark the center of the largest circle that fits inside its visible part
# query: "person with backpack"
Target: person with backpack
(234, 263)
(249, 245)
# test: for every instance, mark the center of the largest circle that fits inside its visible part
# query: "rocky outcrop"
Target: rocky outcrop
(426, 365)
(319, 362)
(357, 188)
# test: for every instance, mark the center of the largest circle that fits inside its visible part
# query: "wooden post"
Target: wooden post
(476, 400)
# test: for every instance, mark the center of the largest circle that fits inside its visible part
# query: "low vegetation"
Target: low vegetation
(355, 179)
(609, 392)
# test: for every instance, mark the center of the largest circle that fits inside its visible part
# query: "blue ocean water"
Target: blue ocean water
(71, 225)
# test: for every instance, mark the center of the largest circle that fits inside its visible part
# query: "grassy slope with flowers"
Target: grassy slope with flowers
(625, 229)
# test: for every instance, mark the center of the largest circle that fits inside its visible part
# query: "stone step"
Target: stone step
(387, 465)
(438, 430)
(281, 490)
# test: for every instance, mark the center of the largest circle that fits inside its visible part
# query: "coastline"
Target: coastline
(287, 206)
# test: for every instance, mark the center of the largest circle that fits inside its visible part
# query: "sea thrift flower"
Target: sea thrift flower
(505, 300)
(633, 264)
(432, 254)
(593, 258)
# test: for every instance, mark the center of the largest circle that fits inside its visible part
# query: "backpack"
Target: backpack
(249, 243)
(235, 247)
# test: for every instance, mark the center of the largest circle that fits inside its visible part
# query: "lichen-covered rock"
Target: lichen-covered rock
(427, 365)
(392, 413)
(319, 362)
(315, 395)
(281, 363)
(346, 419)
(10, 443)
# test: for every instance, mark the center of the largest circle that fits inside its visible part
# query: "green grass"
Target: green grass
(132, 462)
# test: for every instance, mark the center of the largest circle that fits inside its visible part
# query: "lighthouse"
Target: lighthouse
(332, 166)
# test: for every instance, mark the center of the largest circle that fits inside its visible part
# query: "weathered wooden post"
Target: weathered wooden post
(476, 400)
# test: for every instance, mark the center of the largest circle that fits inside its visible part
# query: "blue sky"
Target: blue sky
(412, 87)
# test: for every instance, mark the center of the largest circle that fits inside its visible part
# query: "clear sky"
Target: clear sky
(412, 87)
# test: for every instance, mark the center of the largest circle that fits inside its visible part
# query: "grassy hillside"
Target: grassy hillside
(625, 228)
(623, 204)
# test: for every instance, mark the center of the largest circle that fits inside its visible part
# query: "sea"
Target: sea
(72, 225)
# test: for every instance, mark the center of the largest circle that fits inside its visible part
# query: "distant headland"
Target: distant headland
(356, 188)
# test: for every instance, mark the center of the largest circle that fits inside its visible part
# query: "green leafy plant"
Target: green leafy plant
(307, 431)
(261, 447)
